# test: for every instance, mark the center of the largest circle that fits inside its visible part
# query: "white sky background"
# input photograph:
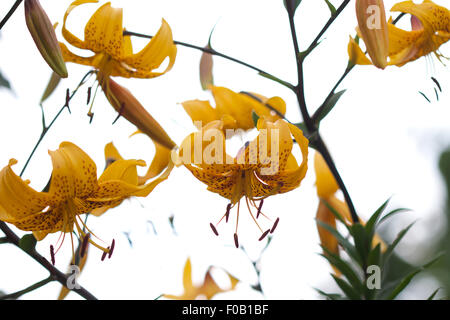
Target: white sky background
(385, 139)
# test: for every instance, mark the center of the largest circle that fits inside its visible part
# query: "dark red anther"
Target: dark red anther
(89, 95)
(104, 254)
(214, 229)
(84, 244)
(227, 213)
(113, 244)
(275, 225)
(67, 99)
(236, 240)
(259, 208)
(264, 235)
(52, 254)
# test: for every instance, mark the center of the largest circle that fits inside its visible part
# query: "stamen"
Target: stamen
(67, 100)
(227, 214)
(236, 240)
(84, 245)
(113, 244)
(259, 208)
(214, 229)
(52, 254)
(104, 254)
(264, 235)
(250, 211)
(275, 225)
(89, 95)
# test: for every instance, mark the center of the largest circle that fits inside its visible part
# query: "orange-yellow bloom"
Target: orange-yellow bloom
(430, 25)
(263, 167)
(234, 109)
(207, 289)
(103, 35)
(74, 190)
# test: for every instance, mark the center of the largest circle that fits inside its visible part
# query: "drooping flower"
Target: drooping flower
(208, 289)
(103, 35)
(234, 109)
(326, 191)
(74, 190)
(430, 24)
(263, 167)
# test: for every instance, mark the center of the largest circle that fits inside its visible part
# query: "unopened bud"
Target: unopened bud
(131, 109)
(44, 36)
(374, 31)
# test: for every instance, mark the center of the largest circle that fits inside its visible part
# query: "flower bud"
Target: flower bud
(131, 109)
(374, 31)
(44, 36)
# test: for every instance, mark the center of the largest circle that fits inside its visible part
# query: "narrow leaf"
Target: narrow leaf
(51, 86)
(331, 7)
(387, 254)
(4, 82)
(327, 106)
(346, 288)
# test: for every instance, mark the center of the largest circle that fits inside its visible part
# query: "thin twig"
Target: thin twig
(219, 54)
(18, 294)
(10, 13)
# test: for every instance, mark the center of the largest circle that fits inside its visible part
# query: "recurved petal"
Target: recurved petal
(74, 173)
(123, 170)
(155, 52)
(104, 31)
(325, 181)
(111, 154)
(17, 199)
(355, 53)
(72, 57)
(236, 105)
(199, 110)
(71, 38)
(159, 163)
(46, 222)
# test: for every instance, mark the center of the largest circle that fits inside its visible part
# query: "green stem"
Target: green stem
(299, 91)
(45, 129)
(16, 295)
(4, 240)
(10, 13)
(219, 54)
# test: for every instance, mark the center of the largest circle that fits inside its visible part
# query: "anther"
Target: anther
(259, 208)
(113, 244)
(89, 95)
(104, 254)
(214, 229)
(84, 245)
(275, 225)
(236, 240)
(264, 235)
(227, 214)
(52, 254)
(68, 99)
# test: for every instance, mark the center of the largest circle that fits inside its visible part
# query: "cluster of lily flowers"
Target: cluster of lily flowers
(75, 189)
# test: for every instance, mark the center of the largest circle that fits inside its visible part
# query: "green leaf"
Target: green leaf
(370, 225)
(327, 106)
(404, 283)
(271, 77)
(374, 256)
(348, 247)
(344, 268)
(51, 86)
(387, 254)
(255, 118)
(294, 4)
(393, 212)
(4, 82)
(361, 241)
(331, 296)
(433, 294)
(331, 7)
(27, 242)
(346, 288)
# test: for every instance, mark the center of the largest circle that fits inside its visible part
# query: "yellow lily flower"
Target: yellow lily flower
(208, 289)
(103, 34)
(234, 109)
(74, 190)
(430, 29)
(326, 189)
(262, 168)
